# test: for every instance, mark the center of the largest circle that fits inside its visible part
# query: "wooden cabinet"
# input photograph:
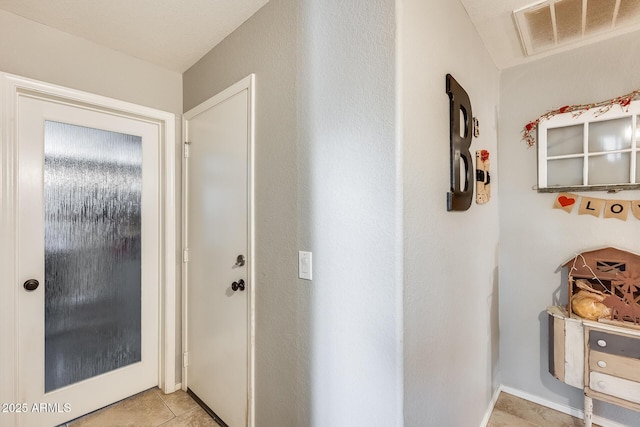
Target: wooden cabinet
(603, 359)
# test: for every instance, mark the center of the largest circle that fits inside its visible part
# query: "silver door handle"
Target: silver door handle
(239, 261)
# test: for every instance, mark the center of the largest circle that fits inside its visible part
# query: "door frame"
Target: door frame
(13, 87)
(248, 84)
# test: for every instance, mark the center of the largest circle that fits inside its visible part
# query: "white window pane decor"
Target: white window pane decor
(565, 171)
(592, 150)
(609, 169)
(565, 140)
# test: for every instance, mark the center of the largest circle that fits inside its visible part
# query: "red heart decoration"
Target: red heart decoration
(566, 201)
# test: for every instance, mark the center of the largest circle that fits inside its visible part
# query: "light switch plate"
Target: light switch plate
(305, 265)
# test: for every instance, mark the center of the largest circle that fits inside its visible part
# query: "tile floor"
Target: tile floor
(512, 411)
(151, 408)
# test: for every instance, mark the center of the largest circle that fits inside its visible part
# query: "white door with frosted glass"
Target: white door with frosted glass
(88, 254)
(219, 288)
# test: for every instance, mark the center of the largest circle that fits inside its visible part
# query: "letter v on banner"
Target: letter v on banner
(635, 208)
(461, 194)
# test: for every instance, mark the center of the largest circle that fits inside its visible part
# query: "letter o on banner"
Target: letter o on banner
(618, 209)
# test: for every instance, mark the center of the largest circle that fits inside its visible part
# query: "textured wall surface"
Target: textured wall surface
(325, 182)
(266, 45)
(535, 239)
(347, 165)
(450, 258)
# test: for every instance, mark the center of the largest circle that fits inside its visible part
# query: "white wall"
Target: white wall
(35, 51)
(450, 258)
(535, 239)
(348, 194)
(327, 350)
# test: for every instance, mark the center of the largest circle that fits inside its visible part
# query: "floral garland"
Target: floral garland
(576, 110)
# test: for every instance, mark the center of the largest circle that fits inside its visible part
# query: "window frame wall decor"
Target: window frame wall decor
(592, 158)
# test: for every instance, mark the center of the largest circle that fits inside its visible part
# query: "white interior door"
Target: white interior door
(88, 224)
(218, 239)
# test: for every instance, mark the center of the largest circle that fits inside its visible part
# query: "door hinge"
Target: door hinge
(185, 255)
(186, 149)
(185, 359)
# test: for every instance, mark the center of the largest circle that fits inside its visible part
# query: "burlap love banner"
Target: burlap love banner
(618, 209)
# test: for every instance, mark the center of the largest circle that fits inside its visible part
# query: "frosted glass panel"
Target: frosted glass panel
(564, 172)
(610, 135)
(565, 140)
(638, 168)
(92, 185)
(612, 168)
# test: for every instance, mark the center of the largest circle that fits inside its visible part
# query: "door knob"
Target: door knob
(238, 285)
(31, 284)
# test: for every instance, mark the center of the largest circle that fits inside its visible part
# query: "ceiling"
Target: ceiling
(170, 33)
(495, 23)
(175, 34)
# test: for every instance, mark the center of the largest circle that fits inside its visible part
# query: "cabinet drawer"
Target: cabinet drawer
(614, 386)
(617, 366)
(620, 345)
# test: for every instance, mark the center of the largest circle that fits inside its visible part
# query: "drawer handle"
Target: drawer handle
(602, 384)
(602, 343)
(602, 363)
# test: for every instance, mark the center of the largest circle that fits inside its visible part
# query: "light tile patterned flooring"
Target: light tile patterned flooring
(151, 408)
(512, 411)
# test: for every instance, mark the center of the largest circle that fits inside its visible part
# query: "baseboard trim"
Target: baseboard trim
(574, 412)
(492, 404)
(169, 390)
(578, 413)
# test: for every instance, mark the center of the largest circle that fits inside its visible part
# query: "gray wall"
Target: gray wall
(330, 172)
(327, 350)
(266, 45)
(535, 239)
(450, 258)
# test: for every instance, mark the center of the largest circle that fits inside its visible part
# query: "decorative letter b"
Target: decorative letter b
(460, 196)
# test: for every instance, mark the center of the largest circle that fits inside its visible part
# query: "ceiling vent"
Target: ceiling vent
(554, 23)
